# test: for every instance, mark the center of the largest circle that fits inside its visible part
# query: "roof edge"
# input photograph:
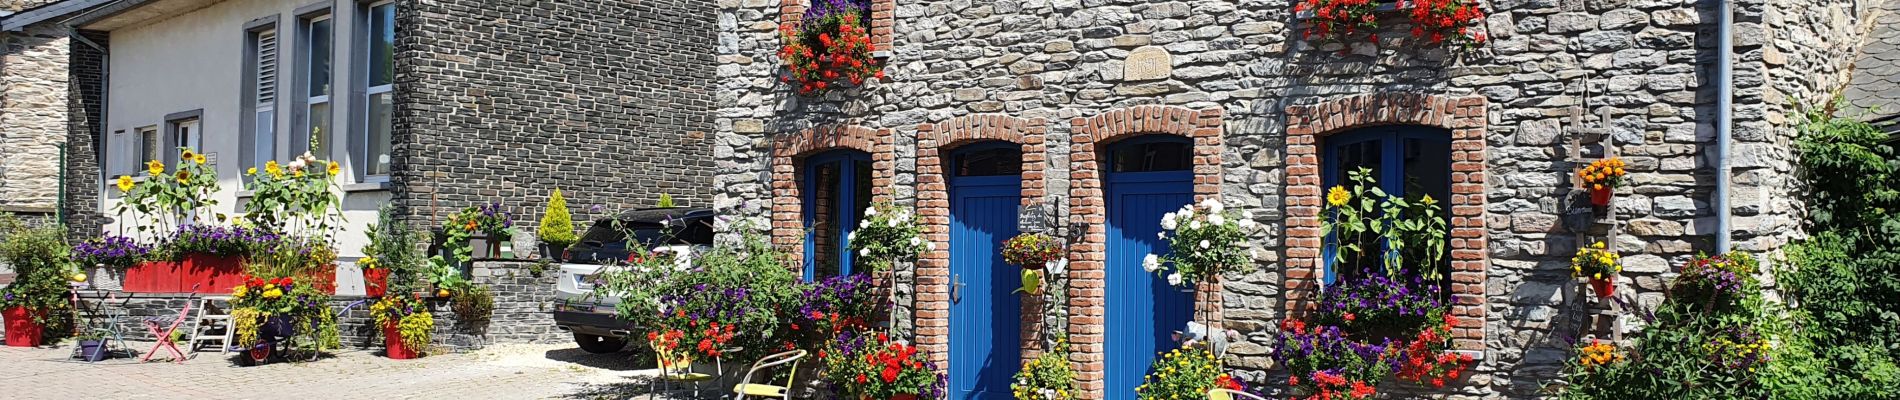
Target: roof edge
(18, 21)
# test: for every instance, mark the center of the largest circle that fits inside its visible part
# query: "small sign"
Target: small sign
(1032, 219)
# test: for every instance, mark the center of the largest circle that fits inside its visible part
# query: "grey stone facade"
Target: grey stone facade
(507, 100)
(33, 119)
(1647, 62)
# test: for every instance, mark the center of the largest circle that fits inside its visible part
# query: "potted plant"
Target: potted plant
(1602, 178)
(1032, 251)
(1185, 374)
(92, 346)
(557, 229)
(1048, 377)
(1599, 265)
(266, 311)
(830, 46)
(40, 259)
(483, 228)
(406, 325)
(873, 367)
(108, 258)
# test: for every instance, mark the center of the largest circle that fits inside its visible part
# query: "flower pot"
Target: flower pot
(1605, 287)
(393, 346)
(375, 282)
(277, 327)
(22, 330)
(1601, 197)
(483, 247)
(1036, 266)
(108, 278)
(93, 350)
(553, 252)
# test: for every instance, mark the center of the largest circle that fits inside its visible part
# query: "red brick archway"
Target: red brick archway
(1465, 117)
(1087, 288)
(933, 206)
(788, 225)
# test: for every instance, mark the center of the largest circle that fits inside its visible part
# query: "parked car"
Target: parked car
(593, 318)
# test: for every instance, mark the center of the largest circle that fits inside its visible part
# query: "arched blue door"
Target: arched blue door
(985, 322)
(1146, 177)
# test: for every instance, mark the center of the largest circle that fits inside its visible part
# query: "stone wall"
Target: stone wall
(1647, 62)
(508, 100)
(33, 115)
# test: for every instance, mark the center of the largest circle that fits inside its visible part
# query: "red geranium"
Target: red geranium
(831, 45)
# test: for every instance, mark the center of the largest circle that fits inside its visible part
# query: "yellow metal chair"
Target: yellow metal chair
(1224, 394)
(748, 389)
(678, 368)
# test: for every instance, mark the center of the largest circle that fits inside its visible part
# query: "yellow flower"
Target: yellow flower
(198, 158)
(272, 168)
(154, 167)
(1597, 245)
(300, 173)
(273, 293)
(184, 176)
(251, 171)
(240, 291)
(125, 183)
(1338, 196)
(335, 168)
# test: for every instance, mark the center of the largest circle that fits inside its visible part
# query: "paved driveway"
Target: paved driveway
(497, 372)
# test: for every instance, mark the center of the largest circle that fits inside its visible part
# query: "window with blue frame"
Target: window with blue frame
(1409, 161)
(837, 188)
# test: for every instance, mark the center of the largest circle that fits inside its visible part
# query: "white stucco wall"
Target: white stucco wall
(196, 61)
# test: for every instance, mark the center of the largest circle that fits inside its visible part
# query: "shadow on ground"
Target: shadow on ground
(621, 361)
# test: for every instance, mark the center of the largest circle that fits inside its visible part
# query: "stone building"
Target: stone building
(1119, 110)
(429, 106)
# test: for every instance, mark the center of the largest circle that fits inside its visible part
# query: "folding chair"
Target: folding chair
(747, 388)
(170, 324)
(1225, 394)
(678, 368)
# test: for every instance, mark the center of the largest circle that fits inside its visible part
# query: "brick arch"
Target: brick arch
(933, 206)
(1088, 212)
(789, 150)
(1307, 125)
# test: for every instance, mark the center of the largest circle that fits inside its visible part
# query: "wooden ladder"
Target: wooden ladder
(212, 324)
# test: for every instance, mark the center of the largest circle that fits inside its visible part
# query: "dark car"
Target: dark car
(593, 318)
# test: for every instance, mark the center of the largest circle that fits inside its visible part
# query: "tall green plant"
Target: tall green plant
(40, 259)
(1361, 217)
(557, 224)
(297, 199)
(395, 246)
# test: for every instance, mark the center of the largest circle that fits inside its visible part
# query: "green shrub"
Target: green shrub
(557, 225)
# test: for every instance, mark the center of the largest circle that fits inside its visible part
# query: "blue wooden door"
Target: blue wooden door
(1143, 310)
(984, 315)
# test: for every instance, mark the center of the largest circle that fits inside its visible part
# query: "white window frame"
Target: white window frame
(263, 130)
(306, 47)
(367, 57)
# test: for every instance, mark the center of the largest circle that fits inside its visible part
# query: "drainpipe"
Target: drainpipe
(1724, 115)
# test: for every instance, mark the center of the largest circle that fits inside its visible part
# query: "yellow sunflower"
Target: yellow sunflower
(154, 167)
(198, 159)
(251, 171)
(184, 176)
(334, 168)
(125, 183)
(187, 154)
(272, 168)
(1338, 196)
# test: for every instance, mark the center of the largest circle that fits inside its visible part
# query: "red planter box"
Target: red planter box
(208, 273)
(375, 282)
(213, 274)
(392, 344)
(22, 331)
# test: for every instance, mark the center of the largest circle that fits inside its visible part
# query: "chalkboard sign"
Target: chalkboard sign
(1033, 219)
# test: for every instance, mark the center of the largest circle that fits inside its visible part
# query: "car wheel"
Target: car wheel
(599, 344)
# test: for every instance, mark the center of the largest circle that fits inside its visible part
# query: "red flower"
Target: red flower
(890, 374)
(1349, 316)
(861, 378)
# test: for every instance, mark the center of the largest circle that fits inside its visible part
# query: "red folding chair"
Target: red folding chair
(170, 324)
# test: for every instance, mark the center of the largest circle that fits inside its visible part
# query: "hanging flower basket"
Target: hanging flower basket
(1601, 178)
(1605, 287)
(829, 49)
(1601, 197)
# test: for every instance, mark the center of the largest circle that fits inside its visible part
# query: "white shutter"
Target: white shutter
(120, 150)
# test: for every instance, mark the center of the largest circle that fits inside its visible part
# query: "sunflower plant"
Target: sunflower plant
(1596, 262)
(1204, 240)
(1365, 226)
(295, 197)
(172, 198)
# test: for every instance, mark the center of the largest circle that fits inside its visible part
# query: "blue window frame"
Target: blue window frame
(836, 189)
(1410, 161)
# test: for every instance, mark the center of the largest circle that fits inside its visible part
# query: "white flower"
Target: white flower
(1196, 225)
(1216, 219)
(1161, 235)
(1204, 243)
(864, 223)
(915, 241)
(932, 246)
(1174, 279)
(1212, 206)
(1151, 263)
(851, 236)
(870, 211)
(905, 216)
(865, 252)
(890, 223)
(1186, 210)
(1168, 223)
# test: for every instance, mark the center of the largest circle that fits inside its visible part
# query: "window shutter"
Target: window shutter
(120, 151)
(266, 68)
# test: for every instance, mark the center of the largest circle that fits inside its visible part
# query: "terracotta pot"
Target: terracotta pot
(375, 282)
(22, 330)
(1601, 197)
(393, 346)
(1605, 287)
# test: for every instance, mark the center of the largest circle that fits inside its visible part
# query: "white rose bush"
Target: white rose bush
(1204, 240)
(888, 234)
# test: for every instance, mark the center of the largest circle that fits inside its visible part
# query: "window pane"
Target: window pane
(319, 130)
(266, 141)
(990, 162)
(1149, 157)
(319, 56)
(381, 116)
(148, 148)
(828, 236)
(1428, 171)
(1351, 157)
(382, 44)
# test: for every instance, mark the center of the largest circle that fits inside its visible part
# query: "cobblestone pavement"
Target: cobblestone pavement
(497, 372)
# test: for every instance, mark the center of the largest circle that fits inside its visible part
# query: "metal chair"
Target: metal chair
(170, 324)
(101, 320)
(678, 368)
(1225, 394)
(748, 389)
